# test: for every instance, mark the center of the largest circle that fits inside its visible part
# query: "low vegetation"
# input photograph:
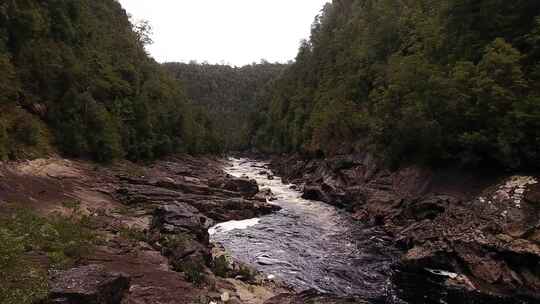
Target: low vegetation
(133, 234)
(220, 266)
(32, 246)
(193, 268)
(194, 272)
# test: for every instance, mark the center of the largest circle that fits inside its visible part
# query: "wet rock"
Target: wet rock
(88, 285)
(490, 238)
(312, 297)
(264, 195)
(312, 192)
(232, 208)
(423, 285)
(464, 222)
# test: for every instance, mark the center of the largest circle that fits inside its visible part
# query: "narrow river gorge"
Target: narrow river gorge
(309, 244)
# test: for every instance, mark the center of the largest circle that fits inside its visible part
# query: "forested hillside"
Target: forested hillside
(415, 80)
(230, 95)
(75, 73)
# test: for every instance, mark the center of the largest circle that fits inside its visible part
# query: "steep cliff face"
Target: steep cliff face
(476, 233)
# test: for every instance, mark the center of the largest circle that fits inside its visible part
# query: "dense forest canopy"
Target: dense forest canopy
(412, 80)
(75, 73)
(415, 80)
(230, 96)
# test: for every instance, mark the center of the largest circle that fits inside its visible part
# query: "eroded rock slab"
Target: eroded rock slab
(481, 227)
(181, 218)
(88, 285)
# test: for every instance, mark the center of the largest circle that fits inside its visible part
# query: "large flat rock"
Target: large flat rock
(88, 285)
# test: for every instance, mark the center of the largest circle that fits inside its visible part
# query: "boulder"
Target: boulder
(430, 207)
(265, 194)
(88, 285)
(177, 218)
(181, 232)
(247, 187)
(183, 250)
(312, 192)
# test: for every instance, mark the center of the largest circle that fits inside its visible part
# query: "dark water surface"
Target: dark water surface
(309, 244)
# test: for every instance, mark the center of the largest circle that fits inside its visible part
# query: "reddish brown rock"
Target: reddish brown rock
(481, 227)
(88, 285)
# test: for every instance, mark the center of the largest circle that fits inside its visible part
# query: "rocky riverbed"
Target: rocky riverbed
(411, 235)
(152, 222)
(308, 244)
(467, 237)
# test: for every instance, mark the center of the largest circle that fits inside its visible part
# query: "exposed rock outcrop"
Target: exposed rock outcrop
(216, 195)
(245, 186)
(181, 233)
(180, 218)
(88, 285)
(152, 224)
(480, 230)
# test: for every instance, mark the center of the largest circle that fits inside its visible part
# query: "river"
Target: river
(309, 244)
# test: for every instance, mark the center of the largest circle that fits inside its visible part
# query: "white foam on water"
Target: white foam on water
(443, 273)
(232, 225)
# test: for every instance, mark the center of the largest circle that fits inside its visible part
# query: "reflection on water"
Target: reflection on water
(308, 244)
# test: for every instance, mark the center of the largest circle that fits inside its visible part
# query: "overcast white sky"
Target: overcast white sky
(237, 32)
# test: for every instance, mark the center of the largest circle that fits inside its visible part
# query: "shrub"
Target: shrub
(247, 273)
(221, 266)
(22, 135)
(194, 273)
(20, 280)
(175, 241)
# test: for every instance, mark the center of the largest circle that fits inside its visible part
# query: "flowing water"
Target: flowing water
(309, 244)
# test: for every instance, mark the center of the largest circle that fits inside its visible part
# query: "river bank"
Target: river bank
(434, 237)
(466, 237)
(151, 224)
(308, 244)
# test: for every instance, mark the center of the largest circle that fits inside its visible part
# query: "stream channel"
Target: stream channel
(309, 244)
